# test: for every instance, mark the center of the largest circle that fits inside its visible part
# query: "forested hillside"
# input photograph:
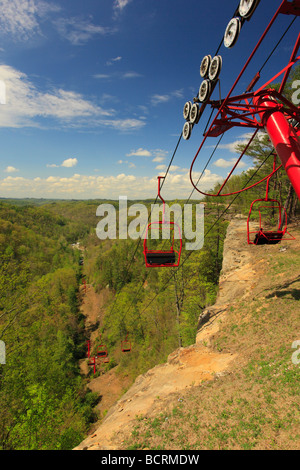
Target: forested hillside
(44, 401)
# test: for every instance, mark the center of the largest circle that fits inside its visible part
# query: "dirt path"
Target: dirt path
(109, 385)
(186, 367)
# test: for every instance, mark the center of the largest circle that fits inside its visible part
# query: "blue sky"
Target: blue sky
(95, 92)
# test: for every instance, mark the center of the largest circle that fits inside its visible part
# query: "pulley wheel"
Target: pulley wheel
(204, 91)
(215, 68)
(187, 130)
(232, 32)
(195, 114)
(186, 110)
(247, 7)
(204, 67)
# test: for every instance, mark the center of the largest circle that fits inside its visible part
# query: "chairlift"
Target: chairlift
(162, 258)
(268, 237)
(126, 345)
(102, 350)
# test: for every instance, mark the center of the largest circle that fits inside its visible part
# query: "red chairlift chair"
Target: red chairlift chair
(268, 237)
(102, 351)
(126, 345)
(92, 362)
(162, 258)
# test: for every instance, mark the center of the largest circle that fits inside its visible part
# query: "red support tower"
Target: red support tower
(263, 108)
(283, 137)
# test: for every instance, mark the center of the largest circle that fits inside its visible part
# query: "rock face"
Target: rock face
(186, 367)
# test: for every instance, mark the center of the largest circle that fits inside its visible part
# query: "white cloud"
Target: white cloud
(160, 99)
(130, 164)
(119, 5)
(172, 168)
(101, 76)
(160, 155)
(113, 60)
(222, 163)
(117, 75)
(139, 153)
(124, 125)
(26, 106)
(20, 18)
(131, 75)
(243, 140)
(158, 159)
(84, 186)
(70, 162)
(79, 31)
(10, 169)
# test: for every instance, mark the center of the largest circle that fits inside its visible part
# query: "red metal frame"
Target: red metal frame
(240, 111)
(102, 350)
(92, 362)
(126, 345)
(158, 225)
(269, 236)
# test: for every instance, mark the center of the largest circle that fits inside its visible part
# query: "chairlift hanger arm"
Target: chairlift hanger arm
(292, 60)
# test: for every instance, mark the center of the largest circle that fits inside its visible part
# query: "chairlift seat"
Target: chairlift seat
(268, 238)
(161, 258)
(102, 351)
(126, 346)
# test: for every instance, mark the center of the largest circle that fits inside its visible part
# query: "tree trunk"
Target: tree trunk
(286, 205)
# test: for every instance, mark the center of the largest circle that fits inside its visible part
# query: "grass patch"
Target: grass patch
(255, 405)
